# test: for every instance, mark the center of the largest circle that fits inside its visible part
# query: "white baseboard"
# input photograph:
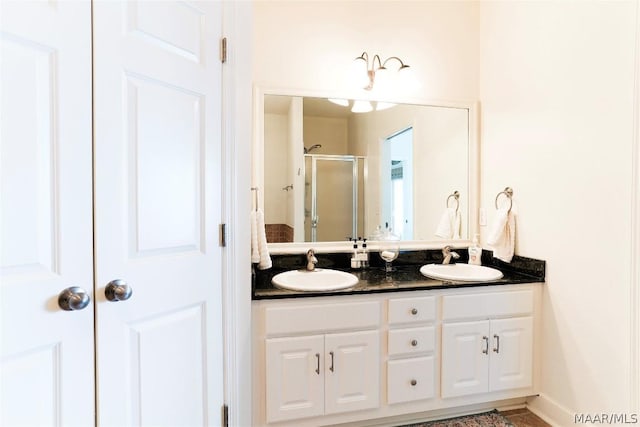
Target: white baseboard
(550, 411)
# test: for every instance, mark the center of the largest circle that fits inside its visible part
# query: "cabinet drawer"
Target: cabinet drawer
(484, 305)
(410, 379)
(412, 340)
(410, 310)
(310, 318)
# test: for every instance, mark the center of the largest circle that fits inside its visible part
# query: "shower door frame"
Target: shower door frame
(313, 216)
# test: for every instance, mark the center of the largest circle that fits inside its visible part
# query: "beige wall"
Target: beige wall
(440, 157)
(556, 89)
(312, 44)
(276, 137)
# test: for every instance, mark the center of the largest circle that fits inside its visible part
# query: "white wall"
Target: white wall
(556, 89)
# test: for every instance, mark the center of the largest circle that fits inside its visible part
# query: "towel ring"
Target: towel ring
(509, 193)
(456, 197)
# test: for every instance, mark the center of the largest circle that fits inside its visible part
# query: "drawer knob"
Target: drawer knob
(414, 382)
(414, 311)
(414, 343)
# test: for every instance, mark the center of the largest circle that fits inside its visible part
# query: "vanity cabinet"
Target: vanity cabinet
(311, 375)
(315, 375)
(356, 358)
(487, 355)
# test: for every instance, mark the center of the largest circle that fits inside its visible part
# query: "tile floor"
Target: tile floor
(524, 418)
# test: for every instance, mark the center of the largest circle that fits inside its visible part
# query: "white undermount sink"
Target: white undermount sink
(320, 279)
(461, 272)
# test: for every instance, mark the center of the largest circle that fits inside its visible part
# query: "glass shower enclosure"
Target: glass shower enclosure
(334, 197)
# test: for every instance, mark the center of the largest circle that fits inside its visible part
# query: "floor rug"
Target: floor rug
(486, 419)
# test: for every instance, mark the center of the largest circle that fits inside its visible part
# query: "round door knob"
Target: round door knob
(414, 382)
(414, 311)
(73, 298)
(118, 290)
(414, 343)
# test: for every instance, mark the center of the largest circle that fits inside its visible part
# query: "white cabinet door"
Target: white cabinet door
(157, 114)
(465, 361)
(467, 366)
(46, 239)
(352, 371)
(511, 361)
(294, 377)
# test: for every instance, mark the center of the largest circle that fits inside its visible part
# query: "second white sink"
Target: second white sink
(320, 279)
(461, 272)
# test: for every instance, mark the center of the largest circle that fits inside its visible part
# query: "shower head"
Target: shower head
(310, 149)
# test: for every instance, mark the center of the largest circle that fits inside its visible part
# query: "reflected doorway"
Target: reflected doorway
(397, 182)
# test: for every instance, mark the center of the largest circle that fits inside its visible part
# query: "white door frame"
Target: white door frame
(237, 101)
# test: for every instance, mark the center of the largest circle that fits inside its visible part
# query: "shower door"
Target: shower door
(334, 197)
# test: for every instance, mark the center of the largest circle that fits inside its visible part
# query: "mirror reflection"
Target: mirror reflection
(331, 173)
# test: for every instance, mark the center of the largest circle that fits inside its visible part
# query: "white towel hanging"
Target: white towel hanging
(449, 225)
(264, 259)
(502, 235)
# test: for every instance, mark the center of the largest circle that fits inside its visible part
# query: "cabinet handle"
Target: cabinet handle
(486, 344)
(414, 343)
(414, 311)
(414, 382)
(318, 363)
(497, 349)
(331, 367)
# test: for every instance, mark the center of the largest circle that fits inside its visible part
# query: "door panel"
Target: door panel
(166, 149)
(512, 353)
(167, 352)
(157, 103)
(295, 378)
(465, 358)
(46, 354)
(352, 371)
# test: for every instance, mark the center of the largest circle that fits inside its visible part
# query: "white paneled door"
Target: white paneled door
(157, 115)
(144, 79)
(46, 360)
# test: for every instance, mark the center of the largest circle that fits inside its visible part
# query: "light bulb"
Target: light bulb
(361, 107)
(359, 76)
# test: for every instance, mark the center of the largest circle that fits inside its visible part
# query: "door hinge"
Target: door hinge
(225, 415)
(223, 235)
(223, 50)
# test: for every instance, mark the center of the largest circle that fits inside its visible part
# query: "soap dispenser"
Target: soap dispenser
(355, 262)
(475, 252)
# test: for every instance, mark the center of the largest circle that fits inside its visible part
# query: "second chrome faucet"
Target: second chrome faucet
(311, 260)
(447, 253)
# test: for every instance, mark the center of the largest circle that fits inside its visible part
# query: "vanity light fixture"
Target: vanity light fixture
(366, 73)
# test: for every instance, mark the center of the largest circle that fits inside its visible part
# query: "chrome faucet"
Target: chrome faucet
(447, 253)
(311, 260)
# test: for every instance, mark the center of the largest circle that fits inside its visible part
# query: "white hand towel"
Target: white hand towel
(457, 221)
(265, 258)
(255, 253)
(502, 236)
(449, 225)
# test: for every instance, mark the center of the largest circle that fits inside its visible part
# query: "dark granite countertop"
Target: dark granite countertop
(405, 277)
